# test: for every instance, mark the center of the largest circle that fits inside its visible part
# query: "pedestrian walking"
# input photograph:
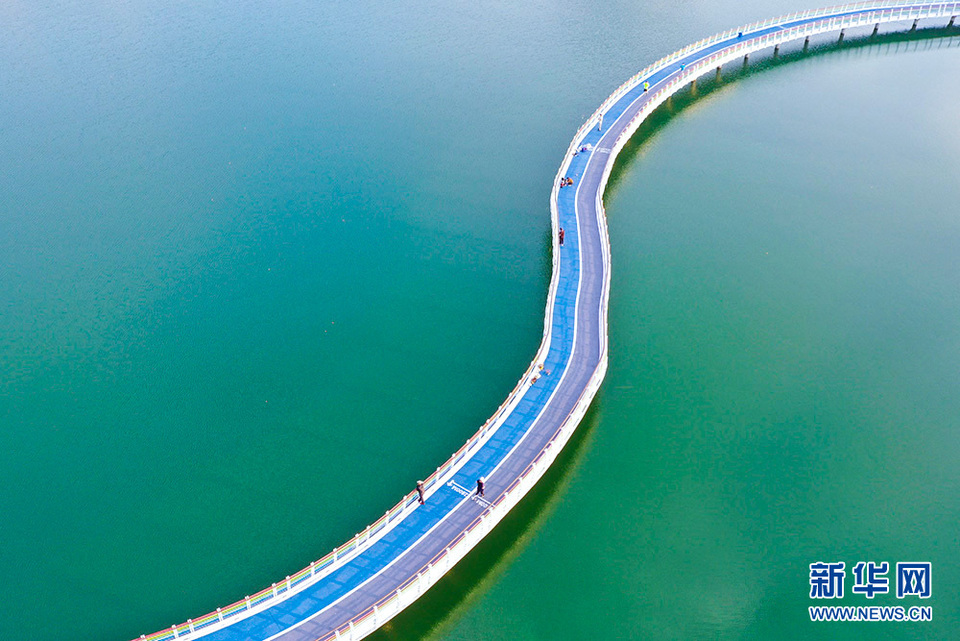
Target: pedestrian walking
(481, 483)
(420, 492)
(561, 234)
(600, 123)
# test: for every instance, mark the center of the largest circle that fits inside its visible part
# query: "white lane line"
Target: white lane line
(462, 491)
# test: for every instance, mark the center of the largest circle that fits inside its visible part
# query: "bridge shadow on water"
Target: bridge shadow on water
(711, 85)
(479, 570)
(460, 588)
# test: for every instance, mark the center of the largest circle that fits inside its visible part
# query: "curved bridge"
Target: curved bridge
(359, 586)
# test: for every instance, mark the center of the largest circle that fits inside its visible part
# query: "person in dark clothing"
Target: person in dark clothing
(420, 492)
(561, 235)
(481, 483)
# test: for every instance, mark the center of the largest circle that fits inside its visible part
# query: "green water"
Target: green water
(265, 267)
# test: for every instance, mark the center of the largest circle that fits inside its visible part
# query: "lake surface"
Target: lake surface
(263, 268)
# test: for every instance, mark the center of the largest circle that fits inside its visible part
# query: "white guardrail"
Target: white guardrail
(790, 27)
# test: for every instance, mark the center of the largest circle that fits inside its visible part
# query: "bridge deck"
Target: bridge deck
(355, 594)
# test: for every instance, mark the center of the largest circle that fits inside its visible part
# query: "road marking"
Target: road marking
(459, 489)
